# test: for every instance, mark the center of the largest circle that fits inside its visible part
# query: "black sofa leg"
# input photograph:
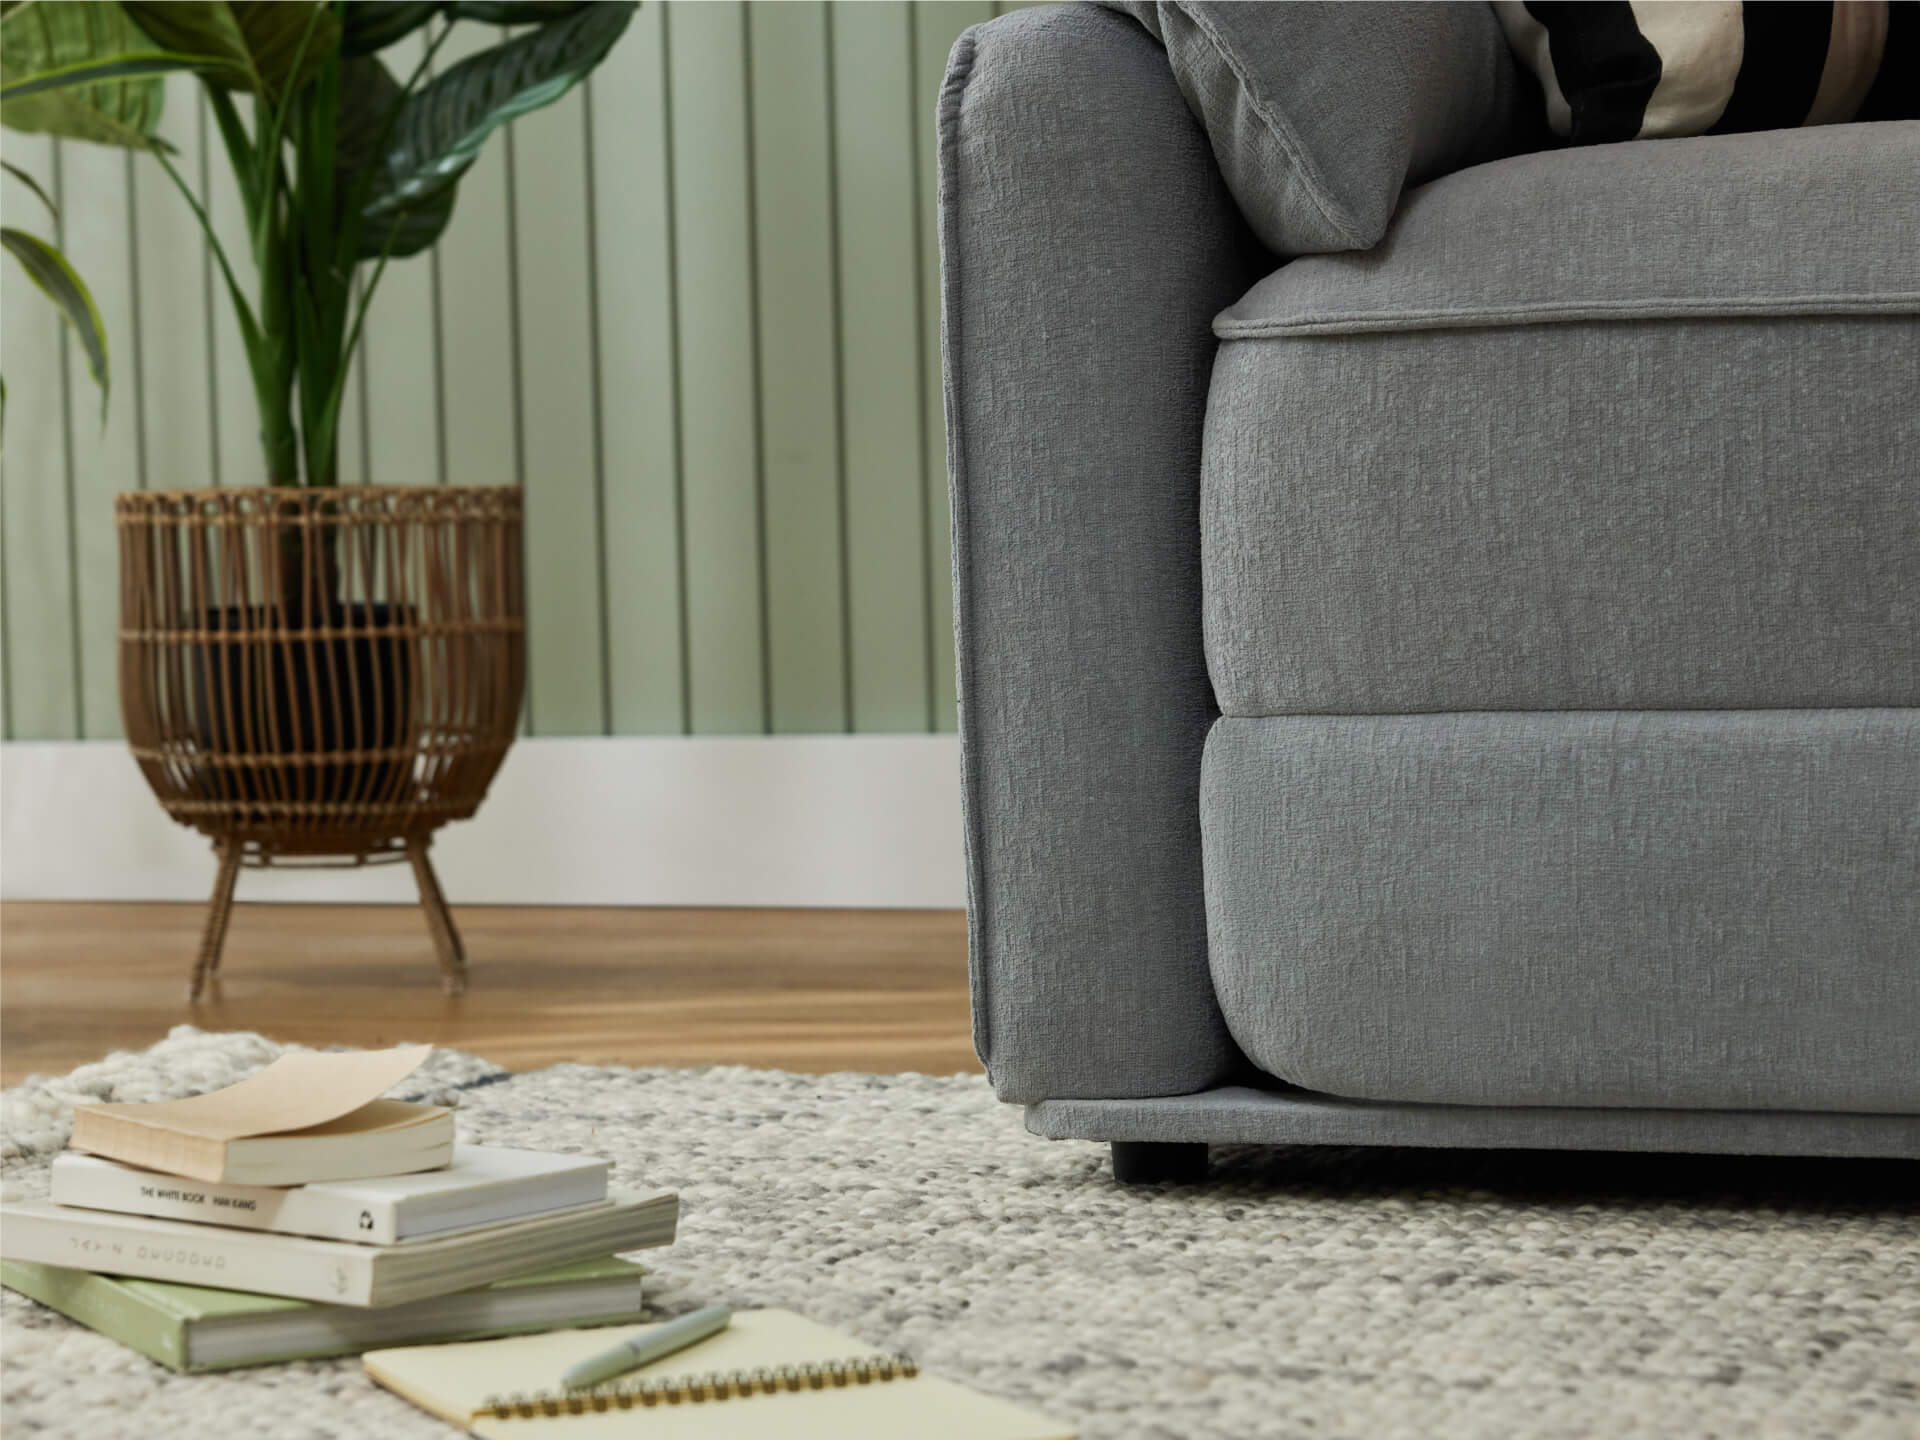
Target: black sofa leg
(1138, 1163)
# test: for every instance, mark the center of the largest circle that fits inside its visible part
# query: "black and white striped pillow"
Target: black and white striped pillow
(1613, 70)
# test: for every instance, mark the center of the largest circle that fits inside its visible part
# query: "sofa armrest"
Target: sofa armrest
(1087, 240)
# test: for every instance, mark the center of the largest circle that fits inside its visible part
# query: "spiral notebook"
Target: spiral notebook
(770, 1374)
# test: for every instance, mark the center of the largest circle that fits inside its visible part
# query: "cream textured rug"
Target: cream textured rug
(1301, 1293)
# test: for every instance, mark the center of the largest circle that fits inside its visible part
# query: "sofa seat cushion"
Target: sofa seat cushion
(1619, 428)
(1672, 909)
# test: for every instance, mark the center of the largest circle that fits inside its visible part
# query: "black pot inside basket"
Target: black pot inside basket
(282, 700)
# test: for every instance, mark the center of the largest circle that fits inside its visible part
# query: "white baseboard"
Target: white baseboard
(851, 821)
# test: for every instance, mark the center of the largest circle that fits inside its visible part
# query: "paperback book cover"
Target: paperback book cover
(199, 1328)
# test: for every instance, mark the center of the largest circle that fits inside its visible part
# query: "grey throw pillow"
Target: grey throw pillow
(1320, 114)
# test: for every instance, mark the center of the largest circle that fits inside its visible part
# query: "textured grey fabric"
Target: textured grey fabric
(1319, 113)
(1662, 909)
(1781, 222)
(1086, 242)
(1710, 513)
(1239, 1115)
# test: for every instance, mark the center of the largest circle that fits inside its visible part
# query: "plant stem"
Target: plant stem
(269, 359)
(280, 352)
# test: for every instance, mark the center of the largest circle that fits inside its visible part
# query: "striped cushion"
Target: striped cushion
(1620, 71)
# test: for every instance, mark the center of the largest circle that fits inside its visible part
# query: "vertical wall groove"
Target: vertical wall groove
(6, 629)
(212, 293)
(74, 642)
(917, 102)
(436, 288)
(754, 353)
(679, 403)
(440, 370)
(519, 391)
(719, 426)
(137, 352)
(716, 397)
(840, 386)
(43, 692)
(597, 402)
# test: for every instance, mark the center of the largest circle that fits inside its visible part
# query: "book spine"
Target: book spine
(105, 1305)
(294, 1211)
(211, 1256)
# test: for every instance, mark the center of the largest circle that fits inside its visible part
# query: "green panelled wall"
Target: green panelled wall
(693, 309)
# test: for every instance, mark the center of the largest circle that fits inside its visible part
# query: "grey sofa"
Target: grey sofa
(1459, 692)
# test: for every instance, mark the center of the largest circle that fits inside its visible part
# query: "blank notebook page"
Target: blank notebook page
(457, 1381)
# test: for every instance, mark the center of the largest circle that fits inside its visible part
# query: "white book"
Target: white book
(342, 1272)
(483, 1186)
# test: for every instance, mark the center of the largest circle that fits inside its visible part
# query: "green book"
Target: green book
(197, 1328)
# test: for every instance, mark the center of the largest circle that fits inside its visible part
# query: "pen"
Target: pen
(649, 1345)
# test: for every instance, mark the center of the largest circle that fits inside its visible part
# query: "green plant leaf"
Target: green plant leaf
(256, 43)
(444, 124)
(116, 107)
(367, 26)
(135, 65)
(368, 91)
(515, 12)
(401, 233)
(34, 185)
(370, 25)
(49, 270)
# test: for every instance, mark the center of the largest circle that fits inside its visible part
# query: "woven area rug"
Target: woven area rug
(1300, 1293)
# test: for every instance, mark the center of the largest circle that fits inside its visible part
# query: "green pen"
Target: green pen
(649, 1345)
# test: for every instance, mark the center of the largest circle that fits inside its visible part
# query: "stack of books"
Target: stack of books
(298, 1215)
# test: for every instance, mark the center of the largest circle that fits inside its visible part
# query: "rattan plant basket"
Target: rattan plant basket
(314, 676)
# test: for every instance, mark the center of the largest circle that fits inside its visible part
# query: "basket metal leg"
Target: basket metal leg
(440, 920)
(219, 912)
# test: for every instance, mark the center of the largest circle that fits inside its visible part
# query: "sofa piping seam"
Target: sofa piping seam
(1553, 312)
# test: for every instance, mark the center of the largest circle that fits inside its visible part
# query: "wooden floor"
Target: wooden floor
(802, 990)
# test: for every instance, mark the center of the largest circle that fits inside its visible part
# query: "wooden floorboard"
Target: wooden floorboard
(805, 990)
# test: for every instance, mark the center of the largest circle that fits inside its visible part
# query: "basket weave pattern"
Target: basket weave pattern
(321, 672)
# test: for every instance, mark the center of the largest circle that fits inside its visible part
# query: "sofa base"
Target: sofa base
(1140, 1163)
(1240, 1115)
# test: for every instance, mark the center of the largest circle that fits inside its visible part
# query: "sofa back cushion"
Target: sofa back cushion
(1627, 427)
(1319, 114)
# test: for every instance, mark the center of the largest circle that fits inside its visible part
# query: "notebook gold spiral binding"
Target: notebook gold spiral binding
(715, 1386)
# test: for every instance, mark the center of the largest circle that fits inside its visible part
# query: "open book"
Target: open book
(770, 1374)
(310, 1116)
